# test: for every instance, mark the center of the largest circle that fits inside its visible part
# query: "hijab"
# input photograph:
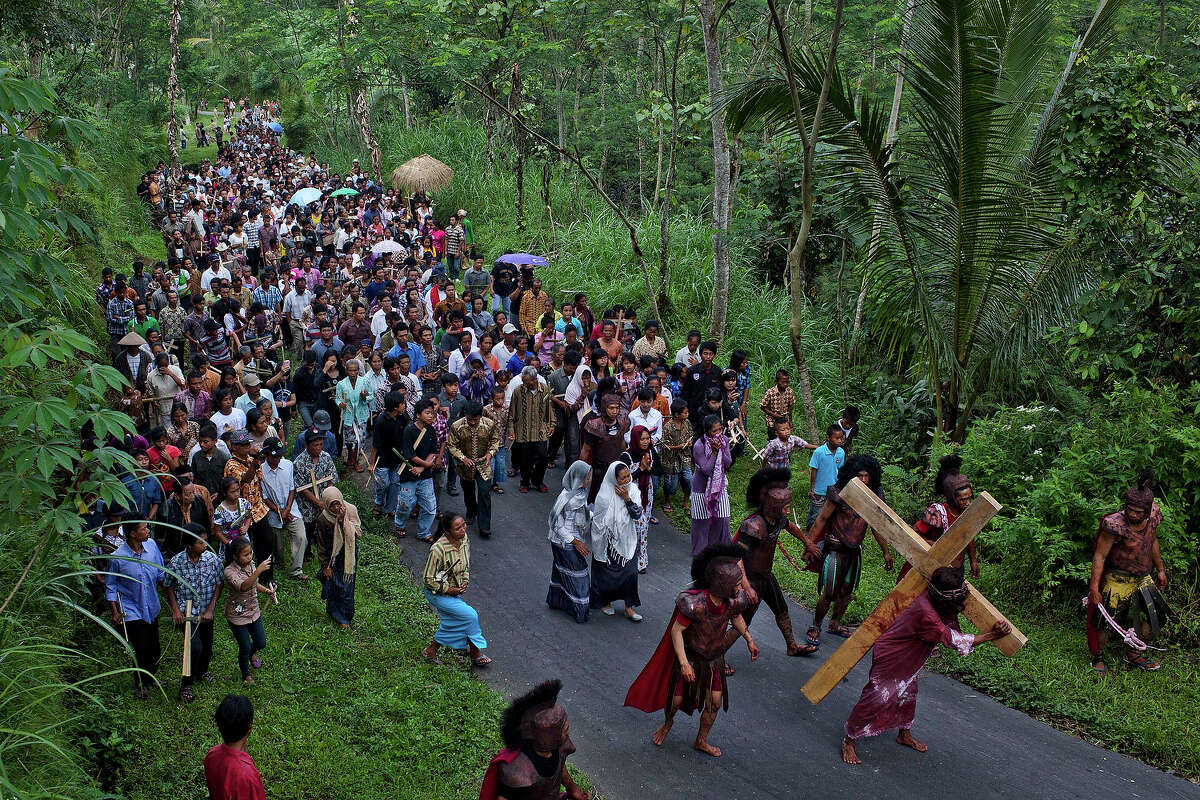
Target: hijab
(479, 391)
(614, 539)
(634, 455)
(573, 495)
(347, 527)
(575, 390)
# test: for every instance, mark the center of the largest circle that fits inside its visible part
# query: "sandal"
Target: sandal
(814, 640)
(481, 661)
(432, 659)
(1098, 666)
(667, 508)
(399, 532)
(425, 539)
(186, 694)
(842, 631)
(497, 490)
(729, 670)
(654, 520)
(1142, 662)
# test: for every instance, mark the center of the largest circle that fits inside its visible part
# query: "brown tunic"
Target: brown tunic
(521, 780)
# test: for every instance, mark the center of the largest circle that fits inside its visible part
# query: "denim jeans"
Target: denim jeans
(306, 411)
(500, 466)
(383, 482)
(502, 303)
(419, 493)
(453, 264)
(250, 639)
(674, 480)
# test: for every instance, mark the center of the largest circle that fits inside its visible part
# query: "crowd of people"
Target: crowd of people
(304, 325)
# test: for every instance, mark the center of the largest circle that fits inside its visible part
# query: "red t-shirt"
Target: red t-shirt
(231, 775)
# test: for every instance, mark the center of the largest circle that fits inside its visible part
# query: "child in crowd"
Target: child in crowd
(778, 401)
(497, 412)
(778, 452)
(849, 425)
(675, 453)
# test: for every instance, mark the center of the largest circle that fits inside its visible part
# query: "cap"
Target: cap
(321, 421)
(509, 328)
(131, 339)
(462, 212)
(251, 379)
(272, 446)
(240, 437)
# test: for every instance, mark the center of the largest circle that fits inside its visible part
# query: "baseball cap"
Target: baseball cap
(240, 437)
(251, 379)
(272, 446)
(321, 421)
(509, 328)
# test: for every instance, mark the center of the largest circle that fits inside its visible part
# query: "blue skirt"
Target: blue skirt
(460, 623)
(569, 582)
(338, 595)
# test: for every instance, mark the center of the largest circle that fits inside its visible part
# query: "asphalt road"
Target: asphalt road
(776, 744)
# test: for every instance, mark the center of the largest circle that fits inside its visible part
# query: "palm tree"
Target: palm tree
(973, 264)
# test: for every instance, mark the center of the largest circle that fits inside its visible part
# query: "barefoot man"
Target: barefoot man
(889, 700)
(687, 671)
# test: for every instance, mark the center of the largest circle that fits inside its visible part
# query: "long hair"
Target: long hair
(861, 463)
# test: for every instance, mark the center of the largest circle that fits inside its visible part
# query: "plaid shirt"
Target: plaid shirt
(200, 580)
(117, 314)
(270, 297)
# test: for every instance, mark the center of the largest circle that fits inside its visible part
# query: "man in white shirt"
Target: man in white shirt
(379, 322)
(295, 303)
(279, 494)
(689, 355)
(646, 415)
(214, 271)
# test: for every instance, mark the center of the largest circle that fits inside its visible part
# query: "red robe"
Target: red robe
(889, 700)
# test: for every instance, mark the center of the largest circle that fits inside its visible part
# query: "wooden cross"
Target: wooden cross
(925, 559)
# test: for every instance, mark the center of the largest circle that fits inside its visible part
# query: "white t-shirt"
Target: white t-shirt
(235, 420)
(687, 357)
(207, 277)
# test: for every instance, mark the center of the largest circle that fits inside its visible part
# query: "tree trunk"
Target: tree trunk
(358, 96)
(514, 110)
(664, 233)
(1162, 24)
(808, 138)
(641, 161)
(890, 141)
(720, 204)
(173, 91)
(404, 98)
(603, 125)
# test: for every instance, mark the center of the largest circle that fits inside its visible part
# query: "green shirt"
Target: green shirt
(468, 230)
(142, 328)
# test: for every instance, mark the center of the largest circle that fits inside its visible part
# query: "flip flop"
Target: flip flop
(1146, 663)
(815, 642)
(842, 631)
(1099, 667)
(425, 539)
(654, 520)
(437, 662)
(482, 661)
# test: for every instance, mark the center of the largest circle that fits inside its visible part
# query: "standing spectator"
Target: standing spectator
(823, 466)
(570, 525)
(337, 531)
(530, 423)
(284, 517)
(229, 770)
(710, 491)
(603, 440)
(131, 589)
(614, 543)
(455, 245)
(675, 453)
(419, 452)
(778, 402)
(315, 470)
(199, 580)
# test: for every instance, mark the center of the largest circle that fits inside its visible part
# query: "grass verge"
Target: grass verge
(338, 714)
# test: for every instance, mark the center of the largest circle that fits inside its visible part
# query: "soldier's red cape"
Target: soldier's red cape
(490, 790)
(649, 690)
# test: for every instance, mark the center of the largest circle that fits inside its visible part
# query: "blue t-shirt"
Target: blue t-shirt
(827, 465)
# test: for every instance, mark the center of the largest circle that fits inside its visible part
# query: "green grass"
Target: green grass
(338, 714)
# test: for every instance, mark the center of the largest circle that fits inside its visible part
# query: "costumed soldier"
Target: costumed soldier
(533, 763)
(1125, 558)
(687, 671)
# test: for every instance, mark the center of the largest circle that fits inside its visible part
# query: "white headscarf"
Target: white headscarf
(575, 389)
(573, 496)
(614, 539)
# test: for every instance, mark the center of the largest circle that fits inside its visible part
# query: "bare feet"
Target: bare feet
(660, 735)
(704, 747)
(848, 753)
(906, 738)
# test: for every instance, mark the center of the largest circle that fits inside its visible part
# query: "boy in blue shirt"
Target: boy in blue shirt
(823, 468)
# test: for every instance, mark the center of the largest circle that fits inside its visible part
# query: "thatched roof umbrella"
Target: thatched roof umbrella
(422, 174)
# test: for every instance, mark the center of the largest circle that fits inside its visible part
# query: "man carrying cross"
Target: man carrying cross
(889, 700)
(314, 470)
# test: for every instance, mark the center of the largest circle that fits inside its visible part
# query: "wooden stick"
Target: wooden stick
(187, 640)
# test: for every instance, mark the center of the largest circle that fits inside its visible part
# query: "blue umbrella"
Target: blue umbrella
(523, 259)
(275, 126)
(305, 196)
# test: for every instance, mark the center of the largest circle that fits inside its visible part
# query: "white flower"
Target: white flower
(1027, 428)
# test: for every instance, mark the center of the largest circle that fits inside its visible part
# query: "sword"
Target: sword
(188, 619)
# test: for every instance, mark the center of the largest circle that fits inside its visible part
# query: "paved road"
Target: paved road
(776, 743)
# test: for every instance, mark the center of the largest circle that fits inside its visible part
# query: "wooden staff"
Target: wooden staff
(187, 639)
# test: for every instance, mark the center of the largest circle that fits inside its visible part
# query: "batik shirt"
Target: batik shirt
(304, 470)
